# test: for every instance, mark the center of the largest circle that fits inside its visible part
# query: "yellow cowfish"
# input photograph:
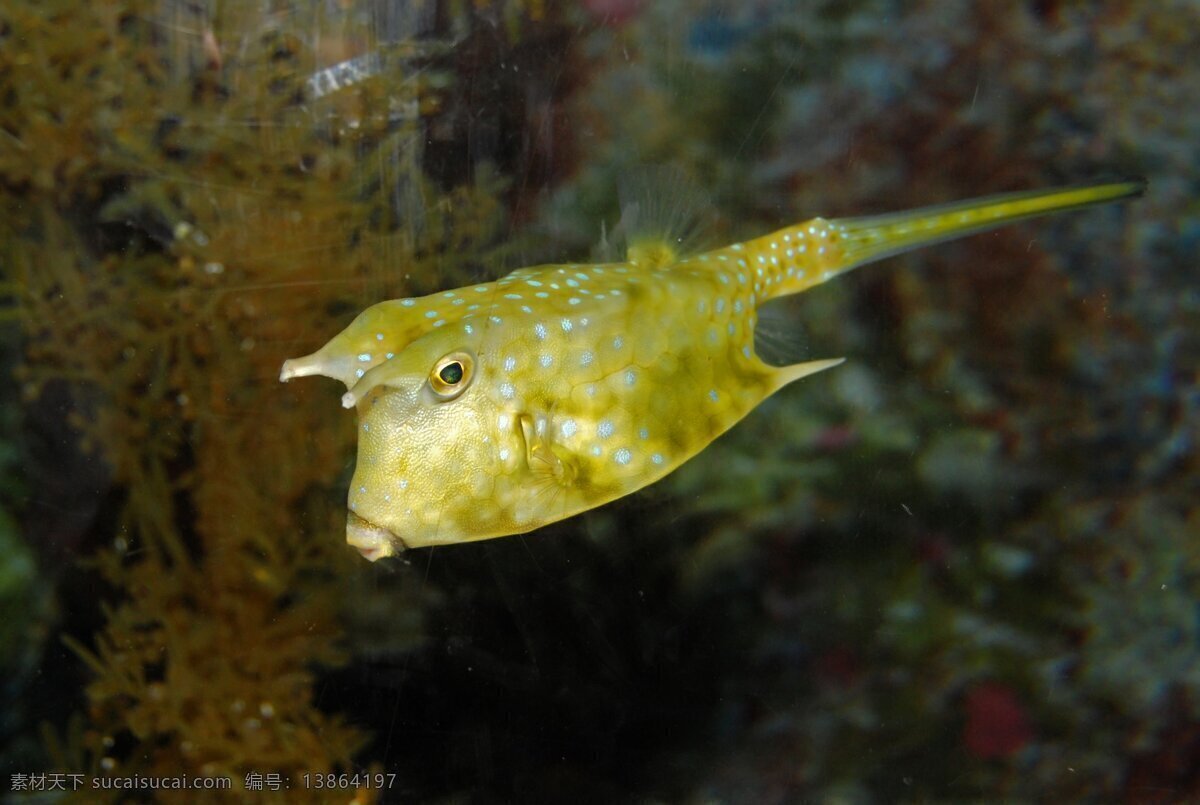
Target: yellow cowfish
(498, 408)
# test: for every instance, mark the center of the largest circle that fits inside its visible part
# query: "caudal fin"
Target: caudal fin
(864, 240)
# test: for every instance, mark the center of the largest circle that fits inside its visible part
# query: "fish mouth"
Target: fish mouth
(373, 541)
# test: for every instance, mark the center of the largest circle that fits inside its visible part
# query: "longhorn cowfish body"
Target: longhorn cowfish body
(498, 408)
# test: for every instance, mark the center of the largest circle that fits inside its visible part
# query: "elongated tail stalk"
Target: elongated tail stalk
(797, 258)
(875, 237)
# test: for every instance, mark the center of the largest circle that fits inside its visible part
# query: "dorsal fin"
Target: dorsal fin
(663, 213)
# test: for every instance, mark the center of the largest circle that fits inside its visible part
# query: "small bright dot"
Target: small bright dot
(378, 336)
(657, 458)
(431, 314)
(643, 433)
(546, 361)
(574, 300)
(568, 428)
(586, 359)
(510, 363)
(567, 325)
(604, 429)
(539, 330)
(712, 395)
(507, 391)
(366, 356)
(618, 342)
(504, 454)
(630, 377)
(623, 456)
(407, 302)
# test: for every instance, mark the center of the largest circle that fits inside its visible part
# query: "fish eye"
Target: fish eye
(451, 375)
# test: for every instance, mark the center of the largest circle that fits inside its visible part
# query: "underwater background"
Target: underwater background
(964, 565)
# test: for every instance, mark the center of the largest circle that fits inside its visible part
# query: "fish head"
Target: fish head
(428, 446)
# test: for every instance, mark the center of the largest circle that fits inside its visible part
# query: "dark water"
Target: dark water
(963, 565)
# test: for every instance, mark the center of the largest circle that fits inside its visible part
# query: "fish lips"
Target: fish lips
(373, 541)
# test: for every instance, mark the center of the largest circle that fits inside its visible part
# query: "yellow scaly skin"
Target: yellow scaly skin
(578, 384)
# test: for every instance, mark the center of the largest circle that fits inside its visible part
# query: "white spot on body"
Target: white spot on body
(622, 456)
(507, 391)
(539, 330)
(604, 429)
(510, 363)
(546, 361)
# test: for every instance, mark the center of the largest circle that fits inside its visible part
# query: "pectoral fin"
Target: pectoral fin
(549, 463)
